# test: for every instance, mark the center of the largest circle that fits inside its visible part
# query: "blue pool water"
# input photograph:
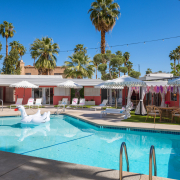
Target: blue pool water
(68, 139)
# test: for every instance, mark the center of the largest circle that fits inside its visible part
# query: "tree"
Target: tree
(178, 51)
(120, 61)
(19, 47)
(110, 70)
(44, 50)
(0, 51)
(104, 14)
(96, 61)
(126, 56)
(174, 56)
(7, 31)
(11, 63)
(129, 66)
(80, 64)
(148, 71)
(134, 74)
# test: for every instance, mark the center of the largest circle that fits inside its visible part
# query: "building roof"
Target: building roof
(44, 80)
(156, 83)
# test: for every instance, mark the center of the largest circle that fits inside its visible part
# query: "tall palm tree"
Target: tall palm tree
(178, 51)
(44, 50)
(80, 66)
(7, 31)
(96, 61)
(19, 47)
(104, 14)
(0, 51)
(174, 56)
(126, 56)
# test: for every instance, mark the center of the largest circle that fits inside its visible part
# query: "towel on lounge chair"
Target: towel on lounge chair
(64, 102)
(30, 102)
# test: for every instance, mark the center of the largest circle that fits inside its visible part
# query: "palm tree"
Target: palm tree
(126, 56)
(148, 71)
(104, 14)
(178, 51)
(7, 31)
(19, 47)
(174, 56)
(0, 51)
(44, 50)
(79, 66)
(96, 61)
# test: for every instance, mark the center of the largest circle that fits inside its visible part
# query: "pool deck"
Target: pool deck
(21, 167)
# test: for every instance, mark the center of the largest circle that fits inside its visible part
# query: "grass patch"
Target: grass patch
(141, 119)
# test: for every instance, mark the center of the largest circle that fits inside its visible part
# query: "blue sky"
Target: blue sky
(68, 23)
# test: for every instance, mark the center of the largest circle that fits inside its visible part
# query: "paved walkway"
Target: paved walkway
(21, 167)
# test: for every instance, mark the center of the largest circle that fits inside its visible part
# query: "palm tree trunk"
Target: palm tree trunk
(103, 33)
(174, 65)
(96, 71)
(6, 46)
(119, 73)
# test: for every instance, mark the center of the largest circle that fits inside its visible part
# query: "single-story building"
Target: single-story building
(51, 94)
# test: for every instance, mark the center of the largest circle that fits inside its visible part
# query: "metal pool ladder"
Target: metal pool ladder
(152, 154)
(2, 103)
(123, 146)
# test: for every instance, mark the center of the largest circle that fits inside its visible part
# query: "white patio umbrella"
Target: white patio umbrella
(103, 86)
(23, 84)
(125, 81)
(174, 82)
(130, 82)
(69, 84)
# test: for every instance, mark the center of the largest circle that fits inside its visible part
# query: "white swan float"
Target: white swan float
(33, 119)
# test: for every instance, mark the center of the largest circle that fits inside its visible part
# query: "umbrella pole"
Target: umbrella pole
(24, 95)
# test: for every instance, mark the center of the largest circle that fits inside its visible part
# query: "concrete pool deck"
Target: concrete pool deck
(22, 167)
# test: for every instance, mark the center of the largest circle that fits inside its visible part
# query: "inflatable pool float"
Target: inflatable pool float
(33, 119)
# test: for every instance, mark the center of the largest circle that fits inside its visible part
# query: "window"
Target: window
(37, 93)
(61, 91)
(57, 73)
(27, 73)
(173, 96)
(91, 92)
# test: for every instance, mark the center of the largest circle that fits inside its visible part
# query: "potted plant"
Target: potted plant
(167, 103)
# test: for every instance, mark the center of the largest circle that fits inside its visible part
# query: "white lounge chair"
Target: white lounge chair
(30, 102)
(64, 102)
(38, 102)
(125, 112)
(74, 102)
(18, 102)
(81, 102)
(103, 104)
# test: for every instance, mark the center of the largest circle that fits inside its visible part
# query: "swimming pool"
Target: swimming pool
(68, 139)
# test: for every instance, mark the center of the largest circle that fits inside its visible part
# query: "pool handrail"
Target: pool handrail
(152, 153)
(2, 103)
(123, 146)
